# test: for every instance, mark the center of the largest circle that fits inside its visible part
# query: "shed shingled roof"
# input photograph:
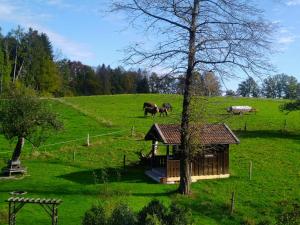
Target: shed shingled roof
(208, 134)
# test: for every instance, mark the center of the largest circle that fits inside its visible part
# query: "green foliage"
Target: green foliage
(48, 80)
(230, 93)
(152, 220)
(290, 106)
(206, 84)
(122, 215)
(248, 88)
(23, 115)
(3, 216)
(281, 86)
(248, 221)
(179, 215)
(27, 57)
(154, 207)
(289, 213)
(95, 216)
(155, 213)
(5, 66)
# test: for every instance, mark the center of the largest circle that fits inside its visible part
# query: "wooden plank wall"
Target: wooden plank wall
(210, 162)
(173, 168)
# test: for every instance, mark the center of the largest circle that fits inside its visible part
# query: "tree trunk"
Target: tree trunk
(185, 172)
(1, 82)
(15, 66)
(18, 149)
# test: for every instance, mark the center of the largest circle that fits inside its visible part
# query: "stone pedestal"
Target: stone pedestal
(14, 167)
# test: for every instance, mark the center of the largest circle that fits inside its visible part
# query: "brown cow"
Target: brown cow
(149, 104)
(163, 111)
(168, 106)
(151, 110)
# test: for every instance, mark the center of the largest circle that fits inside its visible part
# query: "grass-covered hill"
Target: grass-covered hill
(81, 176)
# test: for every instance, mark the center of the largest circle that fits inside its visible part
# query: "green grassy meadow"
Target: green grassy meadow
(271, 141)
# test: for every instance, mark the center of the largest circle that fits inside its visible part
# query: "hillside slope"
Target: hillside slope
(65, 168)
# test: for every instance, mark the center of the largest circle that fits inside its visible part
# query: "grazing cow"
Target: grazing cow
(149, 105)
(151, 110)
(163, 111)
(168, 106)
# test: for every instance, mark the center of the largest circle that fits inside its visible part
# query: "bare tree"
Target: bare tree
(225, 36)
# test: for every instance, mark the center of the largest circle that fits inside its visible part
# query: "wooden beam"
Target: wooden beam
(15, 204)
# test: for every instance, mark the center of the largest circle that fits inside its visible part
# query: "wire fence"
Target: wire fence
(236, 123)
(86, 138)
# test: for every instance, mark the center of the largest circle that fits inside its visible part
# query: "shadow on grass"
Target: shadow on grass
(131, 174)
(268, 134)
(139, 117)
(98, 183)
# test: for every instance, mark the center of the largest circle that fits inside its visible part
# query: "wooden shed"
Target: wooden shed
(210, 162)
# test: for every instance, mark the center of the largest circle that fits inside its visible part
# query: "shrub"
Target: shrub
(265, 222)
(122, 215)
(289, 213)
(179, 215)
(95, 216)
(155, 213)
(248, 221)
(152, 220)
(154, 208)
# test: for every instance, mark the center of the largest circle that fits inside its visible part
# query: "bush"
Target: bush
(179, 215)
(248, 221)
(289, 213)
(154, 208)
(95, 216)
(152, 220)
(155, 213)
(265, 222)
(122, 215)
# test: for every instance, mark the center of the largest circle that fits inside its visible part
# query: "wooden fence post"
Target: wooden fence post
(284, 125)
(232, 202)
(88, 140)
(124, 162)
(250, 170)
(132, 131)
(245, 126)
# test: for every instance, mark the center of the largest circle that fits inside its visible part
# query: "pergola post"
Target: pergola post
(152, 153)
(54, 215)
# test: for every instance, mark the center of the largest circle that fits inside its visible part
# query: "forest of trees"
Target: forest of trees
(27, 57)
(277, 86)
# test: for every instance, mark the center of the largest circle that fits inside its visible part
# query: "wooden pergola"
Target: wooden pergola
(49, 205)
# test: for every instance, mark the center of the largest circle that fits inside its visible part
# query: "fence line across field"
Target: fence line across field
(74, 140)
(78, 139)
(136, 129)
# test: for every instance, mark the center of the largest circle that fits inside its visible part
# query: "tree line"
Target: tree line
(27, 57)
(277, 86)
